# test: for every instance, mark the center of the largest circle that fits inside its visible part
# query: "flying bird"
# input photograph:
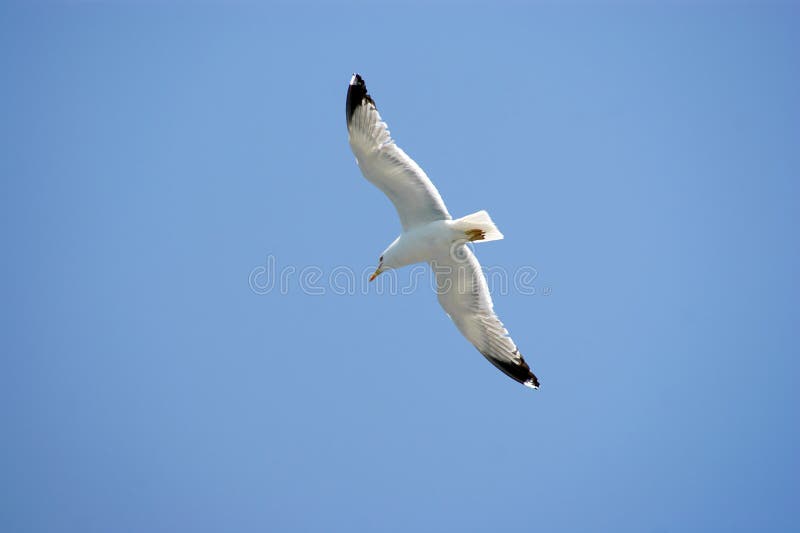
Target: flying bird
(431, 235)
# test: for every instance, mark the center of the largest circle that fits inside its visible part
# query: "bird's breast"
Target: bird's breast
(425, 243)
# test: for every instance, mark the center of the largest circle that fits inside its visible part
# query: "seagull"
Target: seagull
(431, 235)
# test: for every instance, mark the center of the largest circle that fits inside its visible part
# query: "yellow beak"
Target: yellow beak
(375, 274)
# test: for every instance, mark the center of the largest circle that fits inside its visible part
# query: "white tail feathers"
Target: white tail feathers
(478, 227)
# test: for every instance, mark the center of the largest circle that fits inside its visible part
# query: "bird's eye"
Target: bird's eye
(380, 258)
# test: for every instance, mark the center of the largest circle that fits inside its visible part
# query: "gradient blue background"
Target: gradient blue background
(644, 159)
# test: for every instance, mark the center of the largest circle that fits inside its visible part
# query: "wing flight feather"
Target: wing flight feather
(387, 166)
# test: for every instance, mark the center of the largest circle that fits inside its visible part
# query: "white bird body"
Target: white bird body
(431, 235)
(427, 242)
(419, 244)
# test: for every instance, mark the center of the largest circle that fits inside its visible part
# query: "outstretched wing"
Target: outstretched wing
(387, 166)
(465, 297)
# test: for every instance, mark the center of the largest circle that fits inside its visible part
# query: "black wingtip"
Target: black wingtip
(520, 373)
(356, 95)
(357, 79)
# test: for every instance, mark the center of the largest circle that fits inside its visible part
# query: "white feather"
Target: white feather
(391, 170)
(464, 296)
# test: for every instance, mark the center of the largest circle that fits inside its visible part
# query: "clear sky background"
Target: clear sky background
(643, 159)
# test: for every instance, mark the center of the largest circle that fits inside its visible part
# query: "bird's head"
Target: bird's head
(392, 257)
(379, 270)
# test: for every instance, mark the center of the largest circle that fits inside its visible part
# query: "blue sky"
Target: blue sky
(642, 159)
